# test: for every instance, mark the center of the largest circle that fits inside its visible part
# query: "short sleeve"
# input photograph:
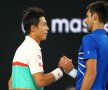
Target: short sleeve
(89, 47)
(35, 61)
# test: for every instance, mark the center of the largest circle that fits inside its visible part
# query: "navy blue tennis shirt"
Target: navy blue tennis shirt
(94, 46)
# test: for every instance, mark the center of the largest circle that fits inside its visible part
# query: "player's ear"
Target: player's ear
(95, 16)
(33, 28)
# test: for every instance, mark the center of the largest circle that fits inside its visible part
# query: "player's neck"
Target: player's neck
(98, 26)
(35, 38)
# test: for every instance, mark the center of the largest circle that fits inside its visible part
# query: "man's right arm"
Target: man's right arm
(42, 79)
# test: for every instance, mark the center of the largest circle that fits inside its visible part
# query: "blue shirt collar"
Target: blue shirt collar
(100, 31)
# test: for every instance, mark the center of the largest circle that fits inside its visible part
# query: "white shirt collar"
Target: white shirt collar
(28, 38)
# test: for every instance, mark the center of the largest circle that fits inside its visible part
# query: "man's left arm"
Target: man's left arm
(10, 84)
(90, 74)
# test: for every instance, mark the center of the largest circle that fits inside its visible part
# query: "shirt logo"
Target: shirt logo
(58, 74)
(39, 56)
(40, 65)
(88, 52)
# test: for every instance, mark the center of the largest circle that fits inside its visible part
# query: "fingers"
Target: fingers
(67, 58)
(66, 64)
(62, 61)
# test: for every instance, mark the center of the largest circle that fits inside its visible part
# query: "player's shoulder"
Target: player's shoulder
(23, 48)
(27, 48)
(89, 37)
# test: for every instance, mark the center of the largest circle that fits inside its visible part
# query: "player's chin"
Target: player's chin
(44, 38)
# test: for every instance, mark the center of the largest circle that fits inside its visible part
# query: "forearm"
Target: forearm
(88, 81)
(42, 80)
(53, 76)
(48, 79)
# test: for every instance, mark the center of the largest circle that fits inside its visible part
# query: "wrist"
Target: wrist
(62, 69)
(58, 73)
(73, 73)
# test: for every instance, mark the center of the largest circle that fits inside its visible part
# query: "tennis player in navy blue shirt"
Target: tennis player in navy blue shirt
(94, 48)
(92, 71)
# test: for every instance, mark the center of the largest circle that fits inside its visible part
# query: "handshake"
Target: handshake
(66, 64)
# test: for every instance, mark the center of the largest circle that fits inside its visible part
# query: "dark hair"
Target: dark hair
(31, 17)
(101, 8)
